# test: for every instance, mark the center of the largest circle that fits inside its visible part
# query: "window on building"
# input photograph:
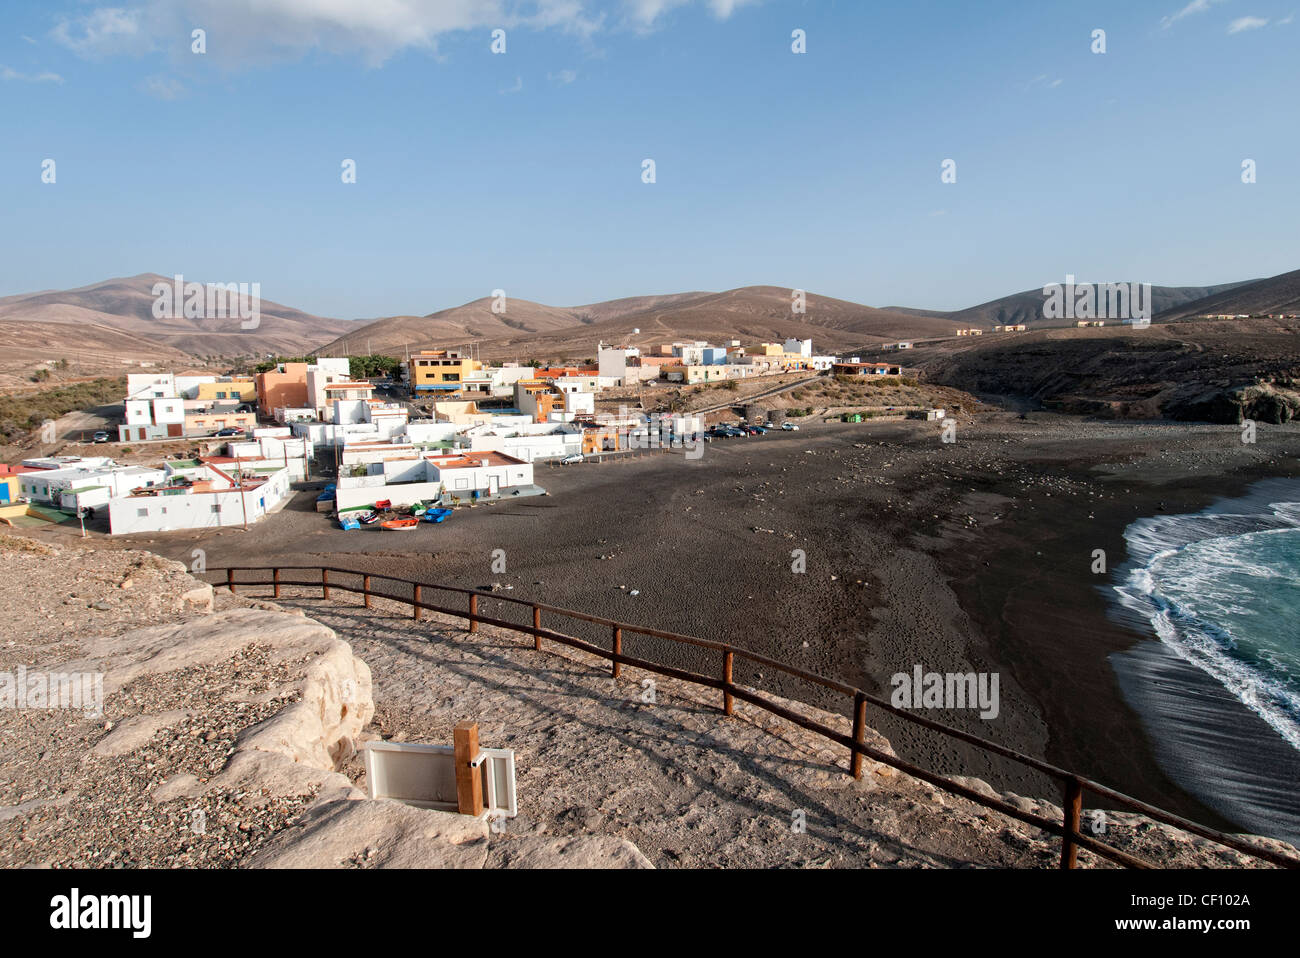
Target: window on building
(142, 513)
(216, 508)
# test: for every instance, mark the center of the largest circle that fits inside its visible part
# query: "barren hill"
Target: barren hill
(1027, 307)
(121, 310)
(1210, 370)
(1262, 297)
(750, 314)
(458, 325)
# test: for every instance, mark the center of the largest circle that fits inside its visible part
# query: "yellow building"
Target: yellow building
(10, 489)
(236, 390)
(440, 370)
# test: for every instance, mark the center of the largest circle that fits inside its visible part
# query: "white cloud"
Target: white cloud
(644, 13)
(103, 31)
(7, 74)
(278, 29)
(517, 88)
(251, 31)
(1196, 6)
(1242, 24)
(563, 77)
(163, 87)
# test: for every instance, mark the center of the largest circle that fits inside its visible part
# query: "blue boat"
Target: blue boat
(437, 515)
(349, 523)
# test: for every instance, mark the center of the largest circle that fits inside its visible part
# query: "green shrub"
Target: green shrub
(22, 413)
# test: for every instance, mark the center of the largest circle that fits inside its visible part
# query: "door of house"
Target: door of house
(494, 485)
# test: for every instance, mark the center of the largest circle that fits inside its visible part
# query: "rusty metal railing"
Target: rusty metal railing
(1073, 786)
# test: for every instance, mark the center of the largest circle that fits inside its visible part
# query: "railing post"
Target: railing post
(473, 611)
(1073, 810)
(728, 702)
(325, 583)
(275, 577)
(537, 624)
(230, 580)
(618, 650)
(365, 589)
(419, 612)
(859, 733)
(469, 781)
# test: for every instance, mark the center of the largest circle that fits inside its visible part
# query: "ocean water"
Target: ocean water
(1219, 690)
(1222, 590)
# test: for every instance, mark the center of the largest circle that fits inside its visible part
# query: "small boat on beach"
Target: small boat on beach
(399, 525)
(436, 515)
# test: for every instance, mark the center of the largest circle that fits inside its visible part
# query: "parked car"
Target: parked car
(789, 427)
(229, 431)
(99, 436)
(570, 460)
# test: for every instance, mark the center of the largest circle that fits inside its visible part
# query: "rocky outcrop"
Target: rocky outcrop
(1260, 402)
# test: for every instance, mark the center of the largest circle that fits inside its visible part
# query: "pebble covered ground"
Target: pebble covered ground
(68, 798)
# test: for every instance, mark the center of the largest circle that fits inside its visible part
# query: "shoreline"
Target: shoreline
(1142, 747)
(1246, 771)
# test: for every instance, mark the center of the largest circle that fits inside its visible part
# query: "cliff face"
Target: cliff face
(1260, 402)
(1212, 372)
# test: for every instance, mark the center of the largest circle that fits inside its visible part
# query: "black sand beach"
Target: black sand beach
(969, 556)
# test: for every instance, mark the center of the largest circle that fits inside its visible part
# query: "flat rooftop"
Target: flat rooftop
(475, 460)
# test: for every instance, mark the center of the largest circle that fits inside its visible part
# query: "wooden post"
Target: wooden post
(325, 583)
(859, 733)
(365, 589)
(473, 611)
(537, 624)
(275, 577)
(230, 580)
(1073, 809)
(419, 612)
(618, 650)
(728, 702)
(469, 782)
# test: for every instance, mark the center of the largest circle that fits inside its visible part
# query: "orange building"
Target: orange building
(285, 386)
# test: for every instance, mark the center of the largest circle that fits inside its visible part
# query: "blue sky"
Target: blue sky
(522, 171)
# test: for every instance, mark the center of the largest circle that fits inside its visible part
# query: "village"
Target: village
(446, 431)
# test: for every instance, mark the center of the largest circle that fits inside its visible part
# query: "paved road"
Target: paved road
(80, 425)
(745, 400)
